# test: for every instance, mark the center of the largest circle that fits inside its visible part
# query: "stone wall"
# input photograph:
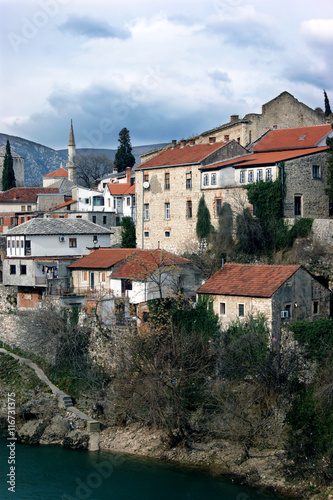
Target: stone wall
(323, 231)
(300, 182)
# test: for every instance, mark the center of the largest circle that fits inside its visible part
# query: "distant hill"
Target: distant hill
(40, 160)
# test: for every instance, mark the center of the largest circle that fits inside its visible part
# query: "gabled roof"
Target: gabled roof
(291, 138)
(25, 194)
(117, 189)
(49, 227)
(248, 280)
(264, 158)
(186, 155)
(145, 262)
(60, 172)
(103, 258)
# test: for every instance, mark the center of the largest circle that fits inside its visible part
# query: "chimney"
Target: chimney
(174, 143)
(234, 118)
(115, 170)
(192, 142)
(212, 140)
(182, 143)
(128, 175)
(14, 195)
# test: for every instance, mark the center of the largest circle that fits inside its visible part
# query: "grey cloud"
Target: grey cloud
(92, 28)
(220, 76)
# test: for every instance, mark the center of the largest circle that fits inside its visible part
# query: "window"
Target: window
(146, 211)
(1, 221)
(102, 277)
(315, 307)
(189, 209)
(146, 234)
(222, 308)
(259, 175)
(167, 234)
(85, 276)
(94, 219)
(213, 179)
(17, 243)
(12, 269)
(242, 176)
(23, 269)
(298, 206)
(23, 208)
(29, 208)
(166, 180)
(128, 201)
(268, 174)
(218, 206)
(104, 219)
(98, 201)
(315, 172)
(226, 137)
(205, 180)
(250, 176)
(167, 211)
(146, 178)
(72, 242)
(86, 201)
(8, 243)
(241, 310)
(188, 180)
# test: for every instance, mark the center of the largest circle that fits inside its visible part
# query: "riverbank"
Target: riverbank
(44, 422)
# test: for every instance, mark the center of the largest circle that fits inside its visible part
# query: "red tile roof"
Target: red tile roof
(69, 202)
(117, 189)
(290, 138)
(25, 194)
(186, 155)
(247, 280)
(143, 263)
(60, 172)
(103, 258)
(265, 158)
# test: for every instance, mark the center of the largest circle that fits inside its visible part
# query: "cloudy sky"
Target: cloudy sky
(165, 70)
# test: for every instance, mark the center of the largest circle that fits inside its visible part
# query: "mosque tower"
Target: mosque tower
(71, 164)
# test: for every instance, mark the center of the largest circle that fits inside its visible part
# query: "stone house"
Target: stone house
(124, 280)
(39, 251)
(282, 293)
(168, 190)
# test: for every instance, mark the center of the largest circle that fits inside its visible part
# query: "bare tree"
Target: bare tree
(91, 167)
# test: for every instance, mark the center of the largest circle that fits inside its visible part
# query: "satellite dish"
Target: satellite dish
(146, 185)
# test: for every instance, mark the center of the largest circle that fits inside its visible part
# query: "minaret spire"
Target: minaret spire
(71, 164)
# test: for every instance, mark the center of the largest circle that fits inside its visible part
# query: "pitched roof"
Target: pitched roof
(57, 226)
(264, 158)
(291, 138)
(248, 280)
(60, 172)
(118, 188)
(144, 262)
(103, 258)
(186, 155)
(25, 194)
(69, 202)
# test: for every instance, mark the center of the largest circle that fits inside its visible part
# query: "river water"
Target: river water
(56, 473)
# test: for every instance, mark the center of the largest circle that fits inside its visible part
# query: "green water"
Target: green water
(52, 473)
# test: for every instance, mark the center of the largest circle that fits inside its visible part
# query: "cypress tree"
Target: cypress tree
(8, 176)
(204, 226)
(128, 238)
(328, 110)
(124, 157)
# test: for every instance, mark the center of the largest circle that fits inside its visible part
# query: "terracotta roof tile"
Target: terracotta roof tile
(103, 258)
(186, 155)
(300, 137)
(264, 158)
(25, 194)
(60, 172)
(144, 262)
(117, 189)
(247, 280)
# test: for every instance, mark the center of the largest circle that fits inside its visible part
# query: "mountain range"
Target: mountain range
(40, 160)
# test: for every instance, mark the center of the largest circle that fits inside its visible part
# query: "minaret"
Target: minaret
(71, 164)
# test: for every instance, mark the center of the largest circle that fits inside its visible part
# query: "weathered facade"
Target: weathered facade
(18, 166)
(282, 293)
